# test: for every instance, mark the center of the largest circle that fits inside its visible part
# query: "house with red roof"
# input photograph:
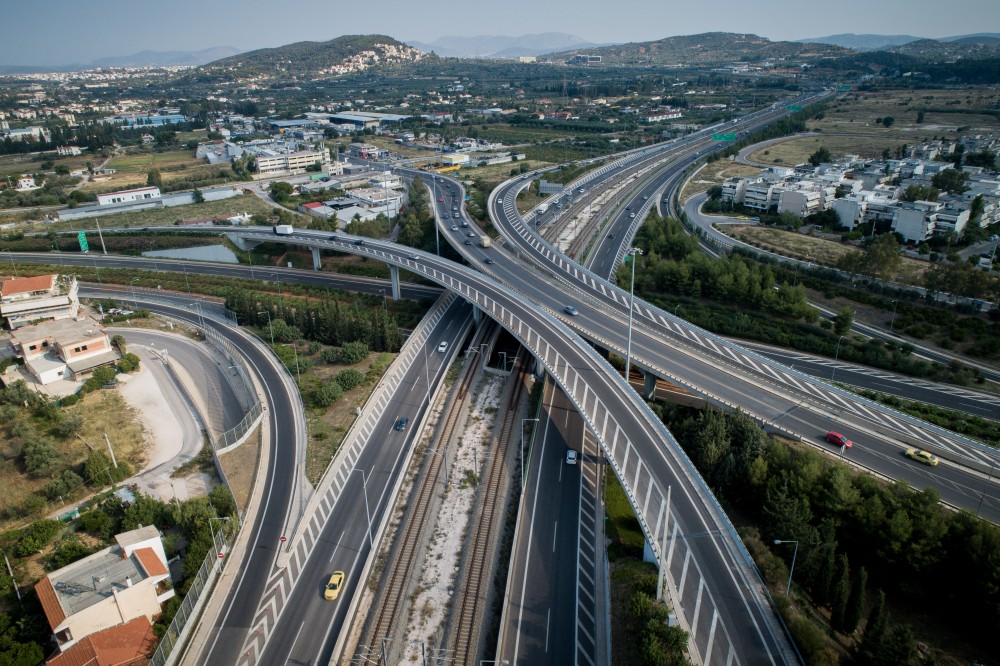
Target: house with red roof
(109, 588)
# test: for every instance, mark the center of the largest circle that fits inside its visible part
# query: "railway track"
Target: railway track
(477, 575)
(399, 566)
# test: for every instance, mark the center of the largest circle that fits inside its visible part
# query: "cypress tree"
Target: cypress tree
(856, 601)
(841, 591)
(878, 620)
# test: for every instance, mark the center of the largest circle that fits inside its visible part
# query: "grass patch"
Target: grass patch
(621, 525)
(201, 463)
(817, 250)
(161, 217)
(240, 467)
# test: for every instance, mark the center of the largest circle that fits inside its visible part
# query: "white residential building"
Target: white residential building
(128, 196)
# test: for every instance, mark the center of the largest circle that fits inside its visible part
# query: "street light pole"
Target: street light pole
(631, 302)
(298, 375)
(268, 313)
(135, 302)
(895, 304)
(833, 375)
(792, 568)
(364, 481)
(523, 421)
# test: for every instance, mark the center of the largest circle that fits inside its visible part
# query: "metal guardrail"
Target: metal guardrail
(194, 599)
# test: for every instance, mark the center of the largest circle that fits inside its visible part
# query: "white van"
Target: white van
(443, 347)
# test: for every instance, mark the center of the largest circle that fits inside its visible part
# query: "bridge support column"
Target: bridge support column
(394, 277)
(649, 384)
(243, 243)
(316, 262)
(477, 315)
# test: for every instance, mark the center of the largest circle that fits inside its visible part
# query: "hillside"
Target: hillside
(302, 60)
(705, 49)
(492, 46)
(966, 47)
(865, 42)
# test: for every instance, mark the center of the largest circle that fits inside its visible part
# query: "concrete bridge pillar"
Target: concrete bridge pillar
(649, 384)
(477, 315)
(243, 243)
(394, 277)
(316, 262)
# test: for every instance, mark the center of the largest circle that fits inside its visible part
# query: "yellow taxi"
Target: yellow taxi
(334, 586)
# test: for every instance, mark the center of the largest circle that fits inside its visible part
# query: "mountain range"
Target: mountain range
(494, 46)
(140, 59)
(704, 49)
(867, 42)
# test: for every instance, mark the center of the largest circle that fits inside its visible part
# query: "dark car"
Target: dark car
(360, 241)
(468, 242)
(334, 237)
(839, 440)
(611, 236)
(401, 423)
(570, 310)
(487, 260)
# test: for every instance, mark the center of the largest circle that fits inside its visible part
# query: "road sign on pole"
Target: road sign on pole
(725, 136)
(82, 237)
(795, 107)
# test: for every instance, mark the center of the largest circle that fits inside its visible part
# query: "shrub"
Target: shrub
(98, 523)
(349, 378)
(41, 458)
(129, 363)
(327, 394)
(36, 536)
(353, 352)
(99, 470)
(64, 486)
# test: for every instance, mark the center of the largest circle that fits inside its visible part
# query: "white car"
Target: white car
(571, 456)
(443, 347)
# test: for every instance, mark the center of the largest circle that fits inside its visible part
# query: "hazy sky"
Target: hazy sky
(72, 31)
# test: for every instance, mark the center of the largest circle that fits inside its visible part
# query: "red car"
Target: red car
(440, 199)
(839, 440)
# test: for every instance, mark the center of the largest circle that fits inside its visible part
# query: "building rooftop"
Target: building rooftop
(25, 285)
(62, 331)
(126, 644)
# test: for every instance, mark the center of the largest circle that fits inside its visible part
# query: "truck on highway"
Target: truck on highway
(485, 241)
(541, 209)
(284, 229)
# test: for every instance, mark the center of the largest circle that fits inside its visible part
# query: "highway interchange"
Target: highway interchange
(741, 629)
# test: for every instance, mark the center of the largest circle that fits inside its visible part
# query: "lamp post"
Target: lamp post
(298, 375)
(895, 304)
(503, 662)
(364, 480)
(631, 302)
(12, 264)
(268, 313)
(135, 302)
(523, 421)
(833, 375)
(215, 543)
(792, 568)
(986, 487)
(197, 308)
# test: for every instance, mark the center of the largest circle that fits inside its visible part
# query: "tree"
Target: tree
(197, 196)
(920, 193)
(840, 593)
(951, 180)
(166, 138)
(821, 156)
(855, 601)
(327, 394)
(154, 179)
(281, 191)
(349, 378)
(41, 458)
(842, 320)
(888, 121)
(875, 629)
(14, 649)
(99, 470)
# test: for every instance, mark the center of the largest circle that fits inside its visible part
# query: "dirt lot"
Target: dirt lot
(133, 168)
(817, 250)
(848, 126)
(714, 174)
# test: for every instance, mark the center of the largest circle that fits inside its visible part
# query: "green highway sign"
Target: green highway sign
(82, 237)
(843, 88)
(795, 107)
(727, 136)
